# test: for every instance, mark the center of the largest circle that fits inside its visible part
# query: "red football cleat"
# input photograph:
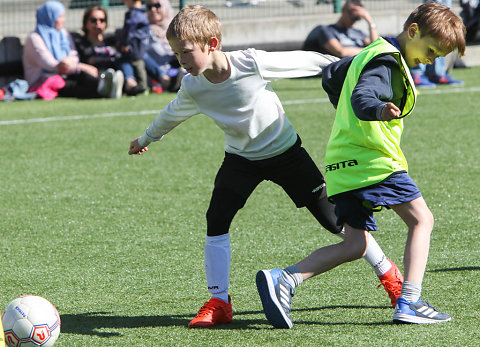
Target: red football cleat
(392, 281)
(213, 312)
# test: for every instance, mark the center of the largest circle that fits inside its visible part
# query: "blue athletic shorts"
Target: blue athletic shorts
(356, 207)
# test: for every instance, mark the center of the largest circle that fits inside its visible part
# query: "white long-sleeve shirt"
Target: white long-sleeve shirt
(244, 106)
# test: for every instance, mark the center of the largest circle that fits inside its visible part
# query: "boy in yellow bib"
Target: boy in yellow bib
(365, 167)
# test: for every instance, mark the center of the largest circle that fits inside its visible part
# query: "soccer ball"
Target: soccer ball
(31, 321)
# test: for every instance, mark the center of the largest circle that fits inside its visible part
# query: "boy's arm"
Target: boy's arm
(380, 83)
(293, 64)
(333, 77)
(179, 110)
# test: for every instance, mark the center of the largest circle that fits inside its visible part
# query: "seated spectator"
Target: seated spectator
(161, 64)
(49, 50)
(471, 18)
(341, 39)
(133, 45)
(96, 47)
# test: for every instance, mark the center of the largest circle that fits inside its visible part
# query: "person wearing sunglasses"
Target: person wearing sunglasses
(95, 46)
(162, 66)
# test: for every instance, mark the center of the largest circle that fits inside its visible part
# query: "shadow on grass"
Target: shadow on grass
(91, 323)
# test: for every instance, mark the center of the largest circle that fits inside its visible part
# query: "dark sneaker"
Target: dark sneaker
(420, 312)
(276, 296)
(447, 80)
(135, 91)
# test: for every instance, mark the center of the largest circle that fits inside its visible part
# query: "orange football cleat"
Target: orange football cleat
(392, 281)
(213, 312)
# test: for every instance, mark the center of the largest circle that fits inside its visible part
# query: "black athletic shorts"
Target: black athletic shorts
(294, 170)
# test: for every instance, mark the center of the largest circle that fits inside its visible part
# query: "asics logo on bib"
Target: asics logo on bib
(341, 165)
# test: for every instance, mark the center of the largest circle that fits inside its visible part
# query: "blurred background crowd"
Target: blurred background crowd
(109, 48)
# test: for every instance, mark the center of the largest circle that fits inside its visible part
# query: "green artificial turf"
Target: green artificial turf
(115, 242)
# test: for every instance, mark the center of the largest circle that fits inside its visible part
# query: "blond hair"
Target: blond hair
(441, 23)
(197, 24)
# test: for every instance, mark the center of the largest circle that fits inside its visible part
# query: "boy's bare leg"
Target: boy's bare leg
(323, 259)
(386, 270)
(419, 220)
(410, 307)
(276, 292)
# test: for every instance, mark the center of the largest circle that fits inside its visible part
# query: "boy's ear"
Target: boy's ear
(413, 30)
(212, 44)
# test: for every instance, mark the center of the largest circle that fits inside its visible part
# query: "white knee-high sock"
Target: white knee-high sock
(374, 255)
(217, 255)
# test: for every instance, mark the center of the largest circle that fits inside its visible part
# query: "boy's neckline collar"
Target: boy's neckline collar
(227, 74)
(393, 41)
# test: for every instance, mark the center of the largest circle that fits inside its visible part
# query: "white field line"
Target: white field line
(154, 112)
(77, 117)
(452, 90)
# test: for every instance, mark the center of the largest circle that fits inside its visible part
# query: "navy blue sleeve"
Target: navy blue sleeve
(375, 88)
(333, 77)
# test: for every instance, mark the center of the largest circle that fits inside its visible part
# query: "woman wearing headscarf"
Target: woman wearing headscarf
(49, 50)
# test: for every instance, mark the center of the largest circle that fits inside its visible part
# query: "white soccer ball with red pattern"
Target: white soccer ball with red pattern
(30, 321)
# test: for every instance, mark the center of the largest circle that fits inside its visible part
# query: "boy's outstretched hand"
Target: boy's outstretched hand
(390, 111)
(135, 148)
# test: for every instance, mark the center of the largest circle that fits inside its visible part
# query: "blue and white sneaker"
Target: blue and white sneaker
(276, 295)
(420, 312)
